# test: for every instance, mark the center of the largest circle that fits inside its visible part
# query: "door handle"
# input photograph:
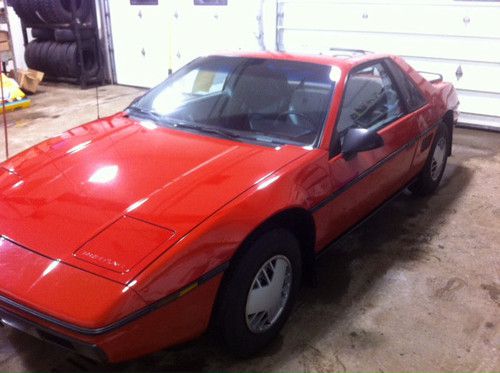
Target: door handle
(143, 52)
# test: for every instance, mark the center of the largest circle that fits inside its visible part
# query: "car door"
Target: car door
(361, 182)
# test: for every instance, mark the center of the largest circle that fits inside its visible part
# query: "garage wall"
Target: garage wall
(149, 41)
(17, 34)
(17, 38)
(459, 39)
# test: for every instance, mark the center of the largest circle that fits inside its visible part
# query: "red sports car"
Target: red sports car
(209, 198)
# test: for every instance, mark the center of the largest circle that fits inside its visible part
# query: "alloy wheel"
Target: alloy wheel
(268, 294)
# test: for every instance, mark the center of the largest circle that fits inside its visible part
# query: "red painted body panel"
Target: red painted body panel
(368, 193)
(78, 184)
(125, 242)
(121, 202)
(65, 292)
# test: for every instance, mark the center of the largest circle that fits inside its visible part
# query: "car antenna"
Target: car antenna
(97, 101)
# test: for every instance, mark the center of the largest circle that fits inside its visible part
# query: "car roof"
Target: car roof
(343, 58)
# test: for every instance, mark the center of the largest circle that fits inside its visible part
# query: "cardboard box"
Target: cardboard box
(4, 36)
(4, 41)
(29, 79)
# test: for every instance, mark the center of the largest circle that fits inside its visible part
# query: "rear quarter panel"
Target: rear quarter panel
(441, 98)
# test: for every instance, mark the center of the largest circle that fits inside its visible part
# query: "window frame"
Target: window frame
(393, 65)
(334, 141)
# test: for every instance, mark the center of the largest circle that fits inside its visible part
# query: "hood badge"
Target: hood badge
(98, 259)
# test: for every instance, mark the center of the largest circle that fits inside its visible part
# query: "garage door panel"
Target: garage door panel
(405, 18)
(151, 39)
(460, 40)
(475, 49)
(201, 30)
(474, 102)
(141, 58)
(484, 78)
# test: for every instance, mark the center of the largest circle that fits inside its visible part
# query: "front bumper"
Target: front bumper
(180, 319)
(93, 316)
(88, 350)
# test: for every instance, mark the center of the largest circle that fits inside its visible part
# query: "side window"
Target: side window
(413, 98)
(370, 100)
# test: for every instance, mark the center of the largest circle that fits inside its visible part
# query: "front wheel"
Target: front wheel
(430, 177)
(258, 292)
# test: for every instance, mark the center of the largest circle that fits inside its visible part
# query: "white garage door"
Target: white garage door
(459, 39)
(149, 40)
(140, 39)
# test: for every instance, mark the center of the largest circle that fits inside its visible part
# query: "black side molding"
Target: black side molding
(371, 170)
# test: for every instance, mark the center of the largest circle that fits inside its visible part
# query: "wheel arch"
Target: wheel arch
(300, 223)
(449, 122)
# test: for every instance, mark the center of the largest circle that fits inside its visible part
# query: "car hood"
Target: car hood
(145, 184)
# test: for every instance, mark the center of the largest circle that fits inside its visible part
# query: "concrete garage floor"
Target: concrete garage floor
(417, 288)
(56, 108)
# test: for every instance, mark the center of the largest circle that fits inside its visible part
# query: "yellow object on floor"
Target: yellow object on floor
(17, 105)
(11, 90)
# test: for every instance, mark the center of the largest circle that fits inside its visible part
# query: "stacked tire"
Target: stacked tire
(61, 59)
(50, 11)
(54, 49)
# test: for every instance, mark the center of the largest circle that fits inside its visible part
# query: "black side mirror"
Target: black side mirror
(360, 140)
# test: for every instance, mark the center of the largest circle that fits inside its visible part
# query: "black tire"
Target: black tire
(44, 56)
(59, 11)
(60, 54)
(72, 61)
(62, 59)
(28, 54)
(428, 180)
(67, 35)
(53, 65)
(26, 10)
(42, 34)
(31, 55)
(90, 60)
(230, 318)
(38, 52)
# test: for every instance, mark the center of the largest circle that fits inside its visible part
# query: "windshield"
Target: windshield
(247, 99)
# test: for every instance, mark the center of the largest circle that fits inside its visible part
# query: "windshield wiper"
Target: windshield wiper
(263, 137)
(147, 113)
(205, 129)
(241, 135)
(221, 132)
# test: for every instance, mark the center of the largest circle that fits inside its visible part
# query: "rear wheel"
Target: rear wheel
(258, 292)
(430, 177)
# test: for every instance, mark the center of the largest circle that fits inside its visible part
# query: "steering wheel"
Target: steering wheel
(310, 123)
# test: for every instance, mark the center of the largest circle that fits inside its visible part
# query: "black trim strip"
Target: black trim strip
(91, 351)
(370, 170)
(333, 244)
(126, 320)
